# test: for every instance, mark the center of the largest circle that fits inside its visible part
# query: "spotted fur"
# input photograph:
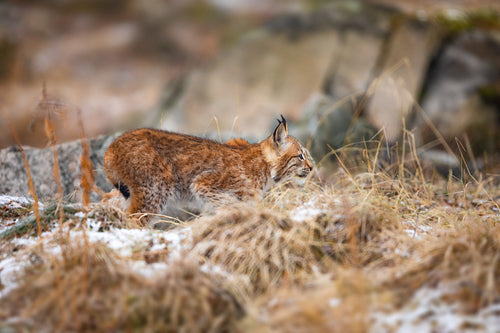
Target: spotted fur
(237, 143)
(159, 169)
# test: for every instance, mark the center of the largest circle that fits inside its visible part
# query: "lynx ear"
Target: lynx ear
(281, 132)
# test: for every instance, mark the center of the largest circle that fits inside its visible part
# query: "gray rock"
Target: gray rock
(14, 178)
(340, 75)
(353, 68)
(328, 125)
(265, 75)
(277, 69)
(452, 102)
(396, 86)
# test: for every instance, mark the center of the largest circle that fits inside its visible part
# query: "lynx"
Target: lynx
(157, 169)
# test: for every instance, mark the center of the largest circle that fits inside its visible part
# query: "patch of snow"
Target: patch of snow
(309, 210)
(213, 269)
(403, 253)
(176, 238)
(80, 215)
(416, 231)
(124, 241)
(91, 223)
(334, 302)
(428, 312)
(304, 213)
(14, 202)
(10, 271)
(11, 202)
(148, 270)
(24, 242)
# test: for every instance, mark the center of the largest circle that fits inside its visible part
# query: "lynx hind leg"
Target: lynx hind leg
(116, 199)
(150, 197)
(145, 180)
(139, 204)
(120, 195)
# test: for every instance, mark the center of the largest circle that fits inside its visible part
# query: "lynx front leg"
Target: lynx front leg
(217, 189)
(208, 188)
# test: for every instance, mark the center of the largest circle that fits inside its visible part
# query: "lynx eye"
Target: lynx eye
(301, 157)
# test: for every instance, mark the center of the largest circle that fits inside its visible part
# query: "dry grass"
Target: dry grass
(372, 242)
(340, 304)
(114, 297)
(28, 171)
(466, 254)
(263, 246)
(379, 263)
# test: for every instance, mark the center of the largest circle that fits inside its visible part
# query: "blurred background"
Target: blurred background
(342, 72)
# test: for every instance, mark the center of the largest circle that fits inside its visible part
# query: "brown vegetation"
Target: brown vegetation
(370, 244)
(116, 298)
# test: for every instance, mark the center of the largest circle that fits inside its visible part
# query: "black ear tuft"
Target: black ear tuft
(280, 132)
(283, 121)
(275, 133)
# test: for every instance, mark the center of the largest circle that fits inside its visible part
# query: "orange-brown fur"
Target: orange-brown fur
(158, 169)
(237, 143)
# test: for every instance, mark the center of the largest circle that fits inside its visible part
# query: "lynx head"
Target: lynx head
(288, 158)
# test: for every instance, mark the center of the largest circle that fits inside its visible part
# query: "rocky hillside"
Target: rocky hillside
(345, 74)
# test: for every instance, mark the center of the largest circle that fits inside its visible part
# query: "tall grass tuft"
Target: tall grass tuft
(116, 298)
(48, 109)
(31, 185)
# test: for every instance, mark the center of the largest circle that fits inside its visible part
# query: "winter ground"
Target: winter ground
(367, 257)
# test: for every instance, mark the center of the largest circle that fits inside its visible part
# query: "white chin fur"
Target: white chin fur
(299, 180)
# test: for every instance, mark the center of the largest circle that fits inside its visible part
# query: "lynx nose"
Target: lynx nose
(309, 165)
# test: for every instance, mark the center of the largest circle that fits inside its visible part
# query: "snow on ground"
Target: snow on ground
(10, 203)
(125, 242)
(428, 312)
(309, 210)
(14, 202)
(415, 230)
(10, 269)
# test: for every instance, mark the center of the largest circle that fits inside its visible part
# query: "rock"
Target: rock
(399, 80)
(453, 101)
(327, 124)
(445, 164)
(353, 68)
(267, 74)
(276, 69)
(332, 120)
(339, 75)
(14, 179)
